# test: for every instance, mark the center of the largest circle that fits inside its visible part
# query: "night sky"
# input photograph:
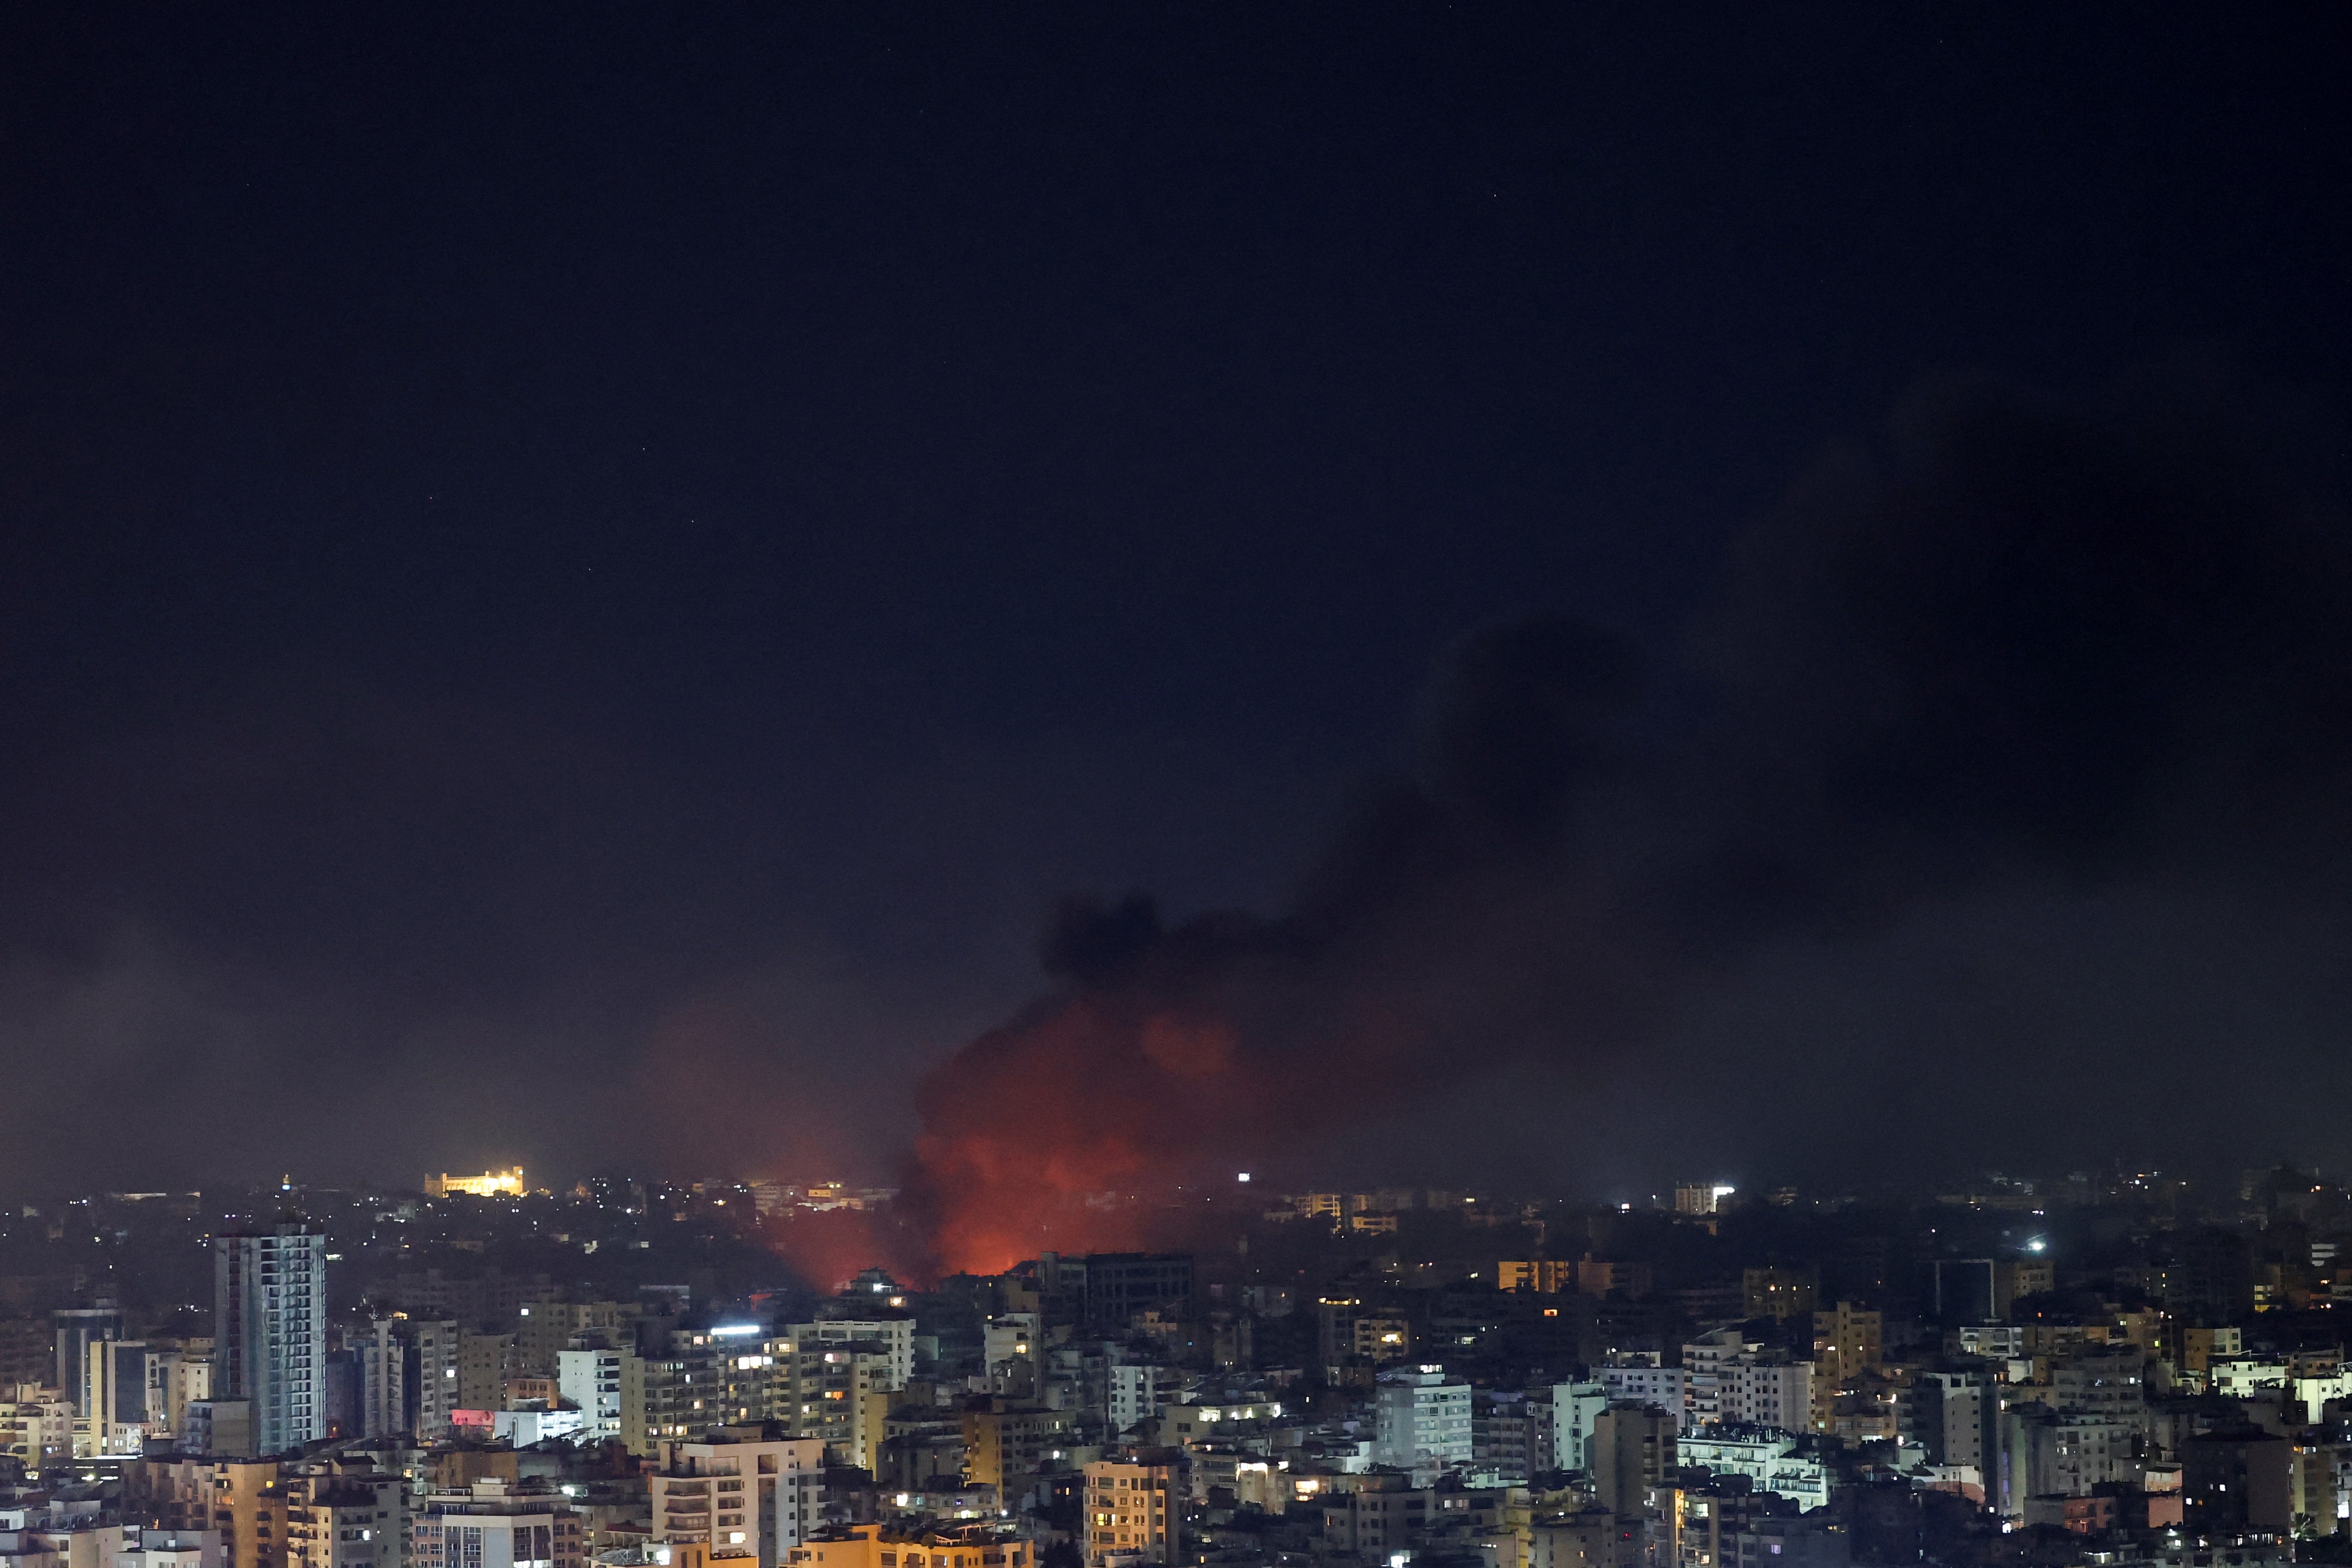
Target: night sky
(578, 583)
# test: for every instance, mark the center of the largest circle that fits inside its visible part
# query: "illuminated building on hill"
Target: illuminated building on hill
(489, 1184)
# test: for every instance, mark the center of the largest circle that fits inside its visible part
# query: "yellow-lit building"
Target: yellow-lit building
(1847, 1345)
(36, 1425)
(489, 1184)
(2201, 1347)
(1132, 1510)
(1382, 1339)
(1006, 1441)
(345, 1518)
(249, 1511)
(1271, 1487)
(1539, 1276)
(871, 1408)
(878, 1546)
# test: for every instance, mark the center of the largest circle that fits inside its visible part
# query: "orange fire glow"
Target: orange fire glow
(1071, 1128)
(1058, 1130)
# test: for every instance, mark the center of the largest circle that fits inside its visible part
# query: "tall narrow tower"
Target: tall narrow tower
(269, 1324)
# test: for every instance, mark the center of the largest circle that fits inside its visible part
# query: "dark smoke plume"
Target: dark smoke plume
(2103, 644)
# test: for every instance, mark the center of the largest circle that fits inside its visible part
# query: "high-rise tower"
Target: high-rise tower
(269, 1323)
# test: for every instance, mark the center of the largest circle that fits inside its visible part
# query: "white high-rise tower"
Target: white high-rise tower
(269, 1324)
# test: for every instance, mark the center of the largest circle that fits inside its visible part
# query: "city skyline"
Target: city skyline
(1172, 786)
(2091, 1368)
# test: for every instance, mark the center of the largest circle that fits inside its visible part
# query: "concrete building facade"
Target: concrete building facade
(1422, 1420)
(1134, 1512)
(751, 1500)
(269, 1317)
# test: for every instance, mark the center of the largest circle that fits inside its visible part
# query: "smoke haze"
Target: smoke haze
(2021, 679)
(574, 589)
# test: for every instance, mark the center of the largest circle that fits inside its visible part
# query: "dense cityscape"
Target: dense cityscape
(2107, 1367)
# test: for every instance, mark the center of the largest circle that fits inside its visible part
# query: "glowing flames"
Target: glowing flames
(1554, 869)
(1036, 1137)
(1060, 1130)
(1431, 935)
(1221, 1046)
(1033, 1120)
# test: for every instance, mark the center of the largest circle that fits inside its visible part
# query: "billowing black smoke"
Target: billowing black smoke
(2083, 650)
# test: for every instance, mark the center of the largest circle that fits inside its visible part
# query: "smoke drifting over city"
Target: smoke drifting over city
(1175, 786)
(576, 594)
(2099, 649)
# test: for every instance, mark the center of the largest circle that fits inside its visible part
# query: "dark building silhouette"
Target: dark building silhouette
(2237, 1479)
(1964, 1292)
(2213, 1281)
